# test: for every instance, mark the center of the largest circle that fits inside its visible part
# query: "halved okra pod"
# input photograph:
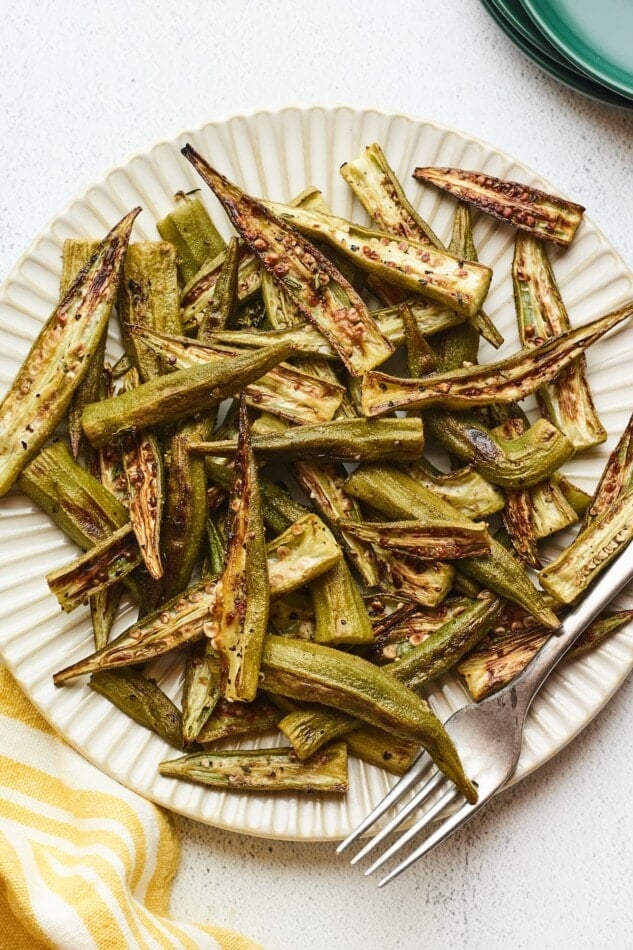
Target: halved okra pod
(423, 541)
(238, 617)
(345, 440)
(192, 233)
(400, 497)
(504, 381)
(541, 314)
(527, 208)
(322, 294)
(264, 770)
(60, 356)
(176, 395)
(318, 673)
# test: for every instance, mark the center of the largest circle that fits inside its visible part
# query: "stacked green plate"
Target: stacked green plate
(583, 44)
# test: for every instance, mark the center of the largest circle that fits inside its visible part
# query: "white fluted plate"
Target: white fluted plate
(277, 155)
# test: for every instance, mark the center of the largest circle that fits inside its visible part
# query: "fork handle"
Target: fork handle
(611, 582)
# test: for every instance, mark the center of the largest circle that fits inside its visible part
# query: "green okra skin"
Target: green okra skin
(322, 294)
(541, 314)
(197, 295)
(570, 574)
(319, 673)
(323, 484)
(75, 255)
(142, 700)
(142, 461)
(381, 194)
(101, 566)
(508, 380)
(509, 463)
(464, 488)
(463, 245)
(294, 559)
(400, 497)
(185, 517)
(231, 719)
(201, 689)
(420, 357)
(59, 357)
(439, 652)
(311, 726)
(344, 440)
(456, 347)
(525, 207)
(616, 478)
(193, 234)
(148, 297)
(415, 268)
(265, 770)
(177, 395)
(382, 750)
(74, 500)
(578, 499)
(423, 541)
(238, 618)
(221, 311)
(104, 606)
(341, 618)
(285, 390)
(279, 509)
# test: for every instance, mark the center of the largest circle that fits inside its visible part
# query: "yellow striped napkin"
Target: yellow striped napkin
(84, 862)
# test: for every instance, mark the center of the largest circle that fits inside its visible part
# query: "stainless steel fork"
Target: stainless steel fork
(488, 736)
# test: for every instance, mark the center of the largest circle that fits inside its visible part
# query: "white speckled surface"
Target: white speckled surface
(82, 86)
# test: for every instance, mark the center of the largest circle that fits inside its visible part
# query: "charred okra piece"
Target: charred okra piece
(541, 314)
(318, 673)
(463, 245)
(101, 566)
(323, 484)
(340, 614)
(322, 294)
(264, 770)
(73, 499)
(221, 311)
(569, 575)
(230, 719)
(423, 541)
(104, 606)
(284, 390)
(504, 381)
(294, 559)
(551, 511)
(415, 268)
(76, 254)
(517, 462)
(239, 615)
(192, 233)
(420, 357)
(379, 748)
(378, 189)
(201, 689)
(527, 208)
(425, 582)
(142, 700)
(343, 440)
(59, 357)
(398, 496)
(311, 727)
(464, 488)
(197, 295)
(408, 625)
(176, 395)
(616, 478)
(442, 649)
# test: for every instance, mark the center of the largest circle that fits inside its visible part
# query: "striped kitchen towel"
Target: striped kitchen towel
(84, 862)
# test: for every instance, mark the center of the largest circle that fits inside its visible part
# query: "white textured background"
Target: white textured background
(83, 85)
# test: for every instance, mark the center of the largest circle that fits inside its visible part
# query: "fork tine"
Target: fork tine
(392, 796)
(427, 789)
(449, 795)
(446, 828)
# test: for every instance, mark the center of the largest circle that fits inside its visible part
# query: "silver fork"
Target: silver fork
(488, 736)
